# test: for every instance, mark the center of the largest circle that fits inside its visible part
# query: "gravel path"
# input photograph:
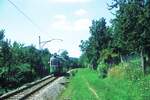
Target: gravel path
(52, 91)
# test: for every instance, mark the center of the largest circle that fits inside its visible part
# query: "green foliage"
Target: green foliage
(66, 59)
(20, 64)
(20, 74)
(126, 71)
(64, 54)
(100, 39)
(110, 88)
(128, 34)
(83, 61)
(78, 89)
(69, 62)
(2, 35)
(102, 69)
(45, 55)
(131, 27)
(74, 63)
(108, 59)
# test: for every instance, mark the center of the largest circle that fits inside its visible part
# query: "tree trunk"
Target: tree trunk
(148, 61)
(143, 61)
(121, 58)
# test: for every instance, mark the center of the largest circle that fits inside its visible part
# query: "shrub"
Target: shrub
(102, 69)
(19, 74)
(116, 72)
(126, 71)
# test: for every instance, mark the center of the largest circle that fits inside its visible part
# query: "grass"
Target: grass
(86, 85)
(78, 87)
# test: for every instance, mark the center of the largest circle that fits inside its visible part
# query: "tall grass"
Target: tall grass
(130, 76)
(123, 82)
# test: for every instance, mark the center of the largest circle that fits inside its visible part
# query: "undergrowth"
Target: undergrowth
(123, 82)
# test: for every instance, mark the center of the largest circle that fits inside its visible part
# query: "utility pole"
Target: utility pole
(39, 42)
(42, 43)
(60, 50)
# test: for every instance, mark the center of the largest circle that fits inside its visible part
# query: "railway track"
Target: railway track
(28, 90)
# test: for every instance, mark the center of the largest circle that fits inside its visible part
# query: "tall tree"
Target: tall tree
(98, 41)
(132, 26)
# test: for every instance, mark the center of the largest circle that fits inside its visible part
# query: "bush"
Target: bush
(17, 76)
(102, 69)
(22, 73)
(116, 72)
(128, 71)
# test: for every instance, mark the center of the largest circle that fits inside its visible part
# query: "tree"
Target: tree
(65, 56)
(2, 34)
(45, 57)
(87, 51)
(20, 64)
(131, 26)
(99, 40)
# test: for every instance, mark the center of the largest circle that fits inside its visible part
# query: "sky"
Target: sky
(68, 20)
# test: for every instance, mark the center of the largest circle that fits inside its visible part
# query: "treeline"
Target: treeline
(20, 64)
(69, 62)
(128, 34)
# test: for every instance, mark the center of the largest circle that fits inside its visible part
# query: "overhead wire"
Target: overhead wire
(25, 15)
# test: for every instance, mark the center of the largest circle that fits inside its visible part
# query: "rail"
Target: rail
(28, 89)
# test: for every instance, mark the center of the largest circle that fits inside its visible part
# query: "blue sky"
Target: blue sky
(68, 20)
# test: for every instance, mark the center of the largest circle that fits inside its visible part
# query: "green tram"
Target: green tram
(56, 65)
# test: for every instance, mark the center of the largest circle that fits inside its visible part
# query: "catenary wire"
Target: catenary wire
(25, 15)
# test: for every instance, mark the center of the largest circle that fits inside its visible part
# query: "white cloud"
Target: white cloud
(60, 17)
(82, 24)
(81, 12)
(61, 23)
(69, 1)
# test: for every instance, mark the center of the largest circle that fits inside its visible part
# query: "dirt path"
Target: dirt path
(91, 89)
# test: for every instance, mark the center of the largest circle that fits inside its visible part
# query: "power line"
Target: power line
(27, 17)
